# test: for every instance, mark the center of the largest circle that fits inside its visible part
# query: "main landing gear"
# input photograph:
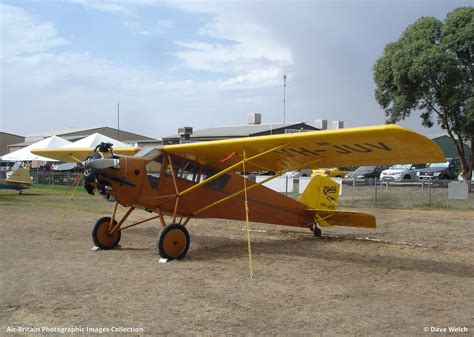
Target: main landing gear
(172, 243)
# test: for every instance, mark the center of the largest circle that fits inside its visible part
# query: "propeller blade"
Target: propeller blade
(102, 163)
(65, 167)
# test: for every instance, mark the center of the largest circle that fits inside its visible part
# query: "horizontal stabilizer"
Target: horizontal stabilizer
(327, 218)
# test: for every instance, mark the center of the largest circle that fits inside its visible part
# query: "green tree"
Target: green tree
(429, 70)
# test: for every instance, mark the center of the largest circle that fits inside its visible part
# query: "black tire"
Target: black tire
(173, 242)
(407, 177)
(102, 238)
(317, 231)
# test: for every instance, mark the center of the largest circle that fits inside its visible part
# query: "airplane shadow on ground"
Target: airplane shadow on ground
(208, 248)
(322, 249)
(21, 197)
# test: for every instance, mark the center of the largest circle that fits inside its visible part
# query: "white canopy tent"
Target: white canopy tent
(25, 154)
(93, 140)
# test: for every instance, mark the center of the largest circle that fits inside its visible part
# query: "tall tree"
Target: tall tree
(429, 70)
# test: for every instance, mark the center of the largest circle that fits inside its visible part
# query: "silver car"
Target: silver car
(401, 172)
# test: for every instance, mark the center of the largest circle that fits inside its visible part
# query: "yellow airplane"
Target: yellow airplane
(201, 180)
(20, 180)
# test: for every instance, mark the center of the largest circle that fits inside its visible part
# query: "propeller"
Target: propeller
(65, 167)
(102, 163)
(92, 168)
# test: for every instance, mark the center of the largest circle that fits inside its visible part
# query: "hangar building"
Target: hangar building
(447, 145)
(252, 129)
(7, 139)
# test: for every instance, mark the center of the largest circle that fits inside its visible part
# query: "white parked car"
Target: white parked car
(401, 172)
(299, 173)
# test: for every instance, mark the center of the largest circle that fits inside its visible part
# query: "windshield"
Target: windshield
(366, 168)
(401, 167)
(439, 165)
(147, 152)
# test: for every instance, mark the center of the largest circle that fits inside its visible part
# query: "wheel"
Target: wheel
(317, 231)
(101, 236)
(173, 242)
(407, 177)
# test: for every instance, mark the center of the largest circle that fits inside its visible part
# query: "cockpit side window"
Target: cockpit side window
(195, 173)
(218, 183)
(153, 171)
(184, 170)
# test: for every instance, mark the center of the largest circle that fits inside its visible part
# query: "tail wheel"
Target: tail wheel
(316, 231)
(173, 242)
(101, 235)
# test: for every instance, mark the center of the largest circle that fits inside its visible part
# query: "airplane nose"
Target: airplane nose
(89, 173)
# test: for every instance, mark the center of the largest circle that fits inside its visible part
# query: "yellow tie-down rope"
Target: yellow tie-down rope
(247, 224)
(66, 207)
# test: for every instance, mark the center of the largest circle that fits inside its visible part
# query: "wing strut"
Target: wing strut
(230, 168)
(247, 224)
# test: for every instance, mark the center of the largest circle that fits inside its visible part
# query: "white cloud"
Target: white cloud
(109, 6)
(22, 33)
(256, 78)
(158, 28)
(243, 48)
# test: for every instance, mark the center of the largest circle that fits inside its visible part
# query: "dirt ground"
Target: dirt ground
(415, 271)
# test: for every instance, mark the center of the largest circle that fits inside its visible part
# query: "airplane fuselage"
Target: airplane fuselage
(165, 183)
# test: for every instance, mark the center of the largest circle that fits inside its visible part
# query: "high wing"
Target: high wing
(78, 154)
(376, 145)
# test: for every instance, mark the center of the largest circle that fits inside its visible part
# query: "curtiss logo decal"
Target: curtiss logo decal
(328, 190)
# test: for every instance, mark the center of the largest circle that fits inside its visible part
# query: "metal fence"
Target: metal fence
(404, 194)
(54, 178)
(418, 194)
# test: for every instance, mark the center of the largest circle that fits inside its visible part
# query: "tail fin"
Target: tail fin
(321, 196)
(321, 193)
(21, 175)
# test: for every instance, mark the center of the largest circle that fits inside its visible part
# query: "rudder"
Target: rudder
(321, 193)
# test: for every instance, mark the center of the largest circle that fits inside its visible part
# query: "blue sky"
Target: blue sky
(170, 64)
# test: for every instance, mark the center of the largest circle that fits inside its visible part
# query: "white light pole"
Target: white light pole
(284, 100)
(118, 121)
